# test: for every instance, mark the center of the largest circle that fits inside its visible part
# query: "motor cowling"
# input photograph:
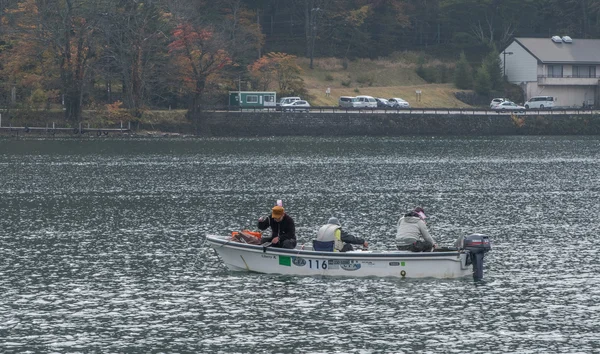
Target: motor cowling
(477, 245)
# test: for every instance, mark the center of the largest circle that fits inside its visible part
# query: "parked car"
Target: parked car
(497, 101)
(508, 106)
(399, 103)
(286, 100)
(540, 102)
(366, 102)
(383, 103)
(296, 106)
(347, 102)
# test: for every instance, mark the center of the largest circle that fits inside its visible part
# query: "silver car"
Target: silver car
(508, 106)
(286, 100)
(398, 103)
(300, 105)
(497, 101)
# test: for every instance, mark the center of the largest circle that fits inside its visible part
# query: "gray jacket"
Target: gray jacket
(411, 229)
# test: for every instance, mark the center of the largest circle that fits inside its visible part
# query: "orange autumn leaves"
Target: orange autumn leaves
(199, 55)
(276, 68)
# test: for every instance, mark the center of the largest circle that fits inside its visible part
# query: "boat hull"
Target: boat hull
(400, 264)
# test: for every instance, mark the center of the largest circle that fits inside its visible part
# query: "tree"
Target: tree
(65, 31)
(287, 73)
(199, 56)
(483, 84)
(262, 73)
(493, 65)
(26, 65)
(242, 32)
(391, 26)
(280, 68)
(462, 75)
(577, 18)
(340, 29)
(135, 50)
(69, 31)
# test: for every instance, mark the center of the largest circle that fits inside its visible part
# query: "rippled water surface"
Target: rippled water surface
(102, 245)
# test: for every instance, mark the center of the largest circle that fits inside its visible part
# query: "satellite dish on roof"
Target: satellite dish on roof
(556, 39)
(567, 39)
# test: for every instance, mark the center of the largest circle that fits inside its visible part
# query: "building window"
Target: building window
(584, 71)
(252, 99)
(555, 71)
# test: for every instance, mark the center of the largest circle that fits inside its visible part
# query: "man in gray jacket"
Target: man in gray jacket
(412, 232)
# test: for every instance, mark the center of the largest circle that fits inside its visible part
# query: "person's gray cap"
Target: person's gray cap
(334, 221)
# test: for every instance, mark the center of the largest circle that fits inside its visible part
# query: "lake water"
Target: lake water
(102, 244)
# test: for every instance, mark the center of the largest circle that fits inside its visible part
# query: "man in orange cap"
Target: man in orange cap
(283, 230)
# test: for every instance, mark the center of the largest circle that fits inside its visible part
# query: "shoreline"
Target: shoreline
(270, 124)
(144, 133)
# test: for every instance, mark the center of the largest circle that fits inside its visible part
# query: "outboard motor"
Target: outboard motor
(477, 245)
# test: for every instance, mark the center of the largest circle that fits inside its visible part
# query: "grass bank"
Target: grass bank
(389, 77)
(394, 77)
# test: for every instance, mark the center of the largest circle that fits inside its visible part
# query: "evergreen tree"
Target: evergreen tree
(494, 68)
(483, 83)
(462, 75)
(443, 73)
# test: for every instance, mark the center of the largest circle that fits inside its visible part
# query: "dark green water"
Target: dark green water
(102, 245)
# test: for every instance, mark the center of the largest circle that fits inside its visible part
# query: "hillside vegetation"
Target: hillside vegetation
(157, 55)
(378, 78)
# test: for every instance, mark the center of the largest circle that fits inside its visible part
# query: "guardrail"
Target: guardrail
(79, 130)
(473, 111)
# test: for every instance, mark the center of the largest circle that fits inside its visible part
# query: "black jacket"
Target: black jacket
(348, 238)
(285, 230)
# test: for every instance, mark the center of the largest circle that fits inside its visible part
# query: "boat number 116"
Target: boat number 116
(317, 264)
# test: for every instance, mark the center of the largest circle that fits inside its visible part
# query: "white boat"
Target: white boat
(304, 261)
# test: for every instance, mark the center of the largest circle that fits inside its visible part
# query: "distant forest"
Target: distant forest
(138, 55)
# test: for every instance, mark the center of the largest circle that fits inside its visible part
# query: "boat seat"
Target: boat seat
(324, 246)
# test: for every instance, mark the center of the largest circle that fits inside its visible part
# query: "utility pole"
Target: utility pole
(504, 63)
(313, 30)
(258, 25)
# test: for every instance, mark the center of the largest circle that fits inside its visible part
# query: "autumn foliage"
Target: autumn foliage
(199, 55)
(76, 54)
(278, 69)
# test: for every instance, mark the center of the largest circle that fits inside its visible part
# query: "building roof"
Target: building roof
(581, 51)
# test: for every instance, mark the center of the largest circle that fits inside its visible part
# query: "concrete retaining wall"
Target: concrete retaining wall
(386, 124)
(353, 124)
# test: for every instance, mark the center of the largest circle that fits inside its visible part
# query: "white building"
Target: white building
(565, 68)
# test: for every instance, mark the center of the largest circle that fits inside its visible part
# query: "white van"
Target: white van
(366, 102)
(540, 102)
(347, 102)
